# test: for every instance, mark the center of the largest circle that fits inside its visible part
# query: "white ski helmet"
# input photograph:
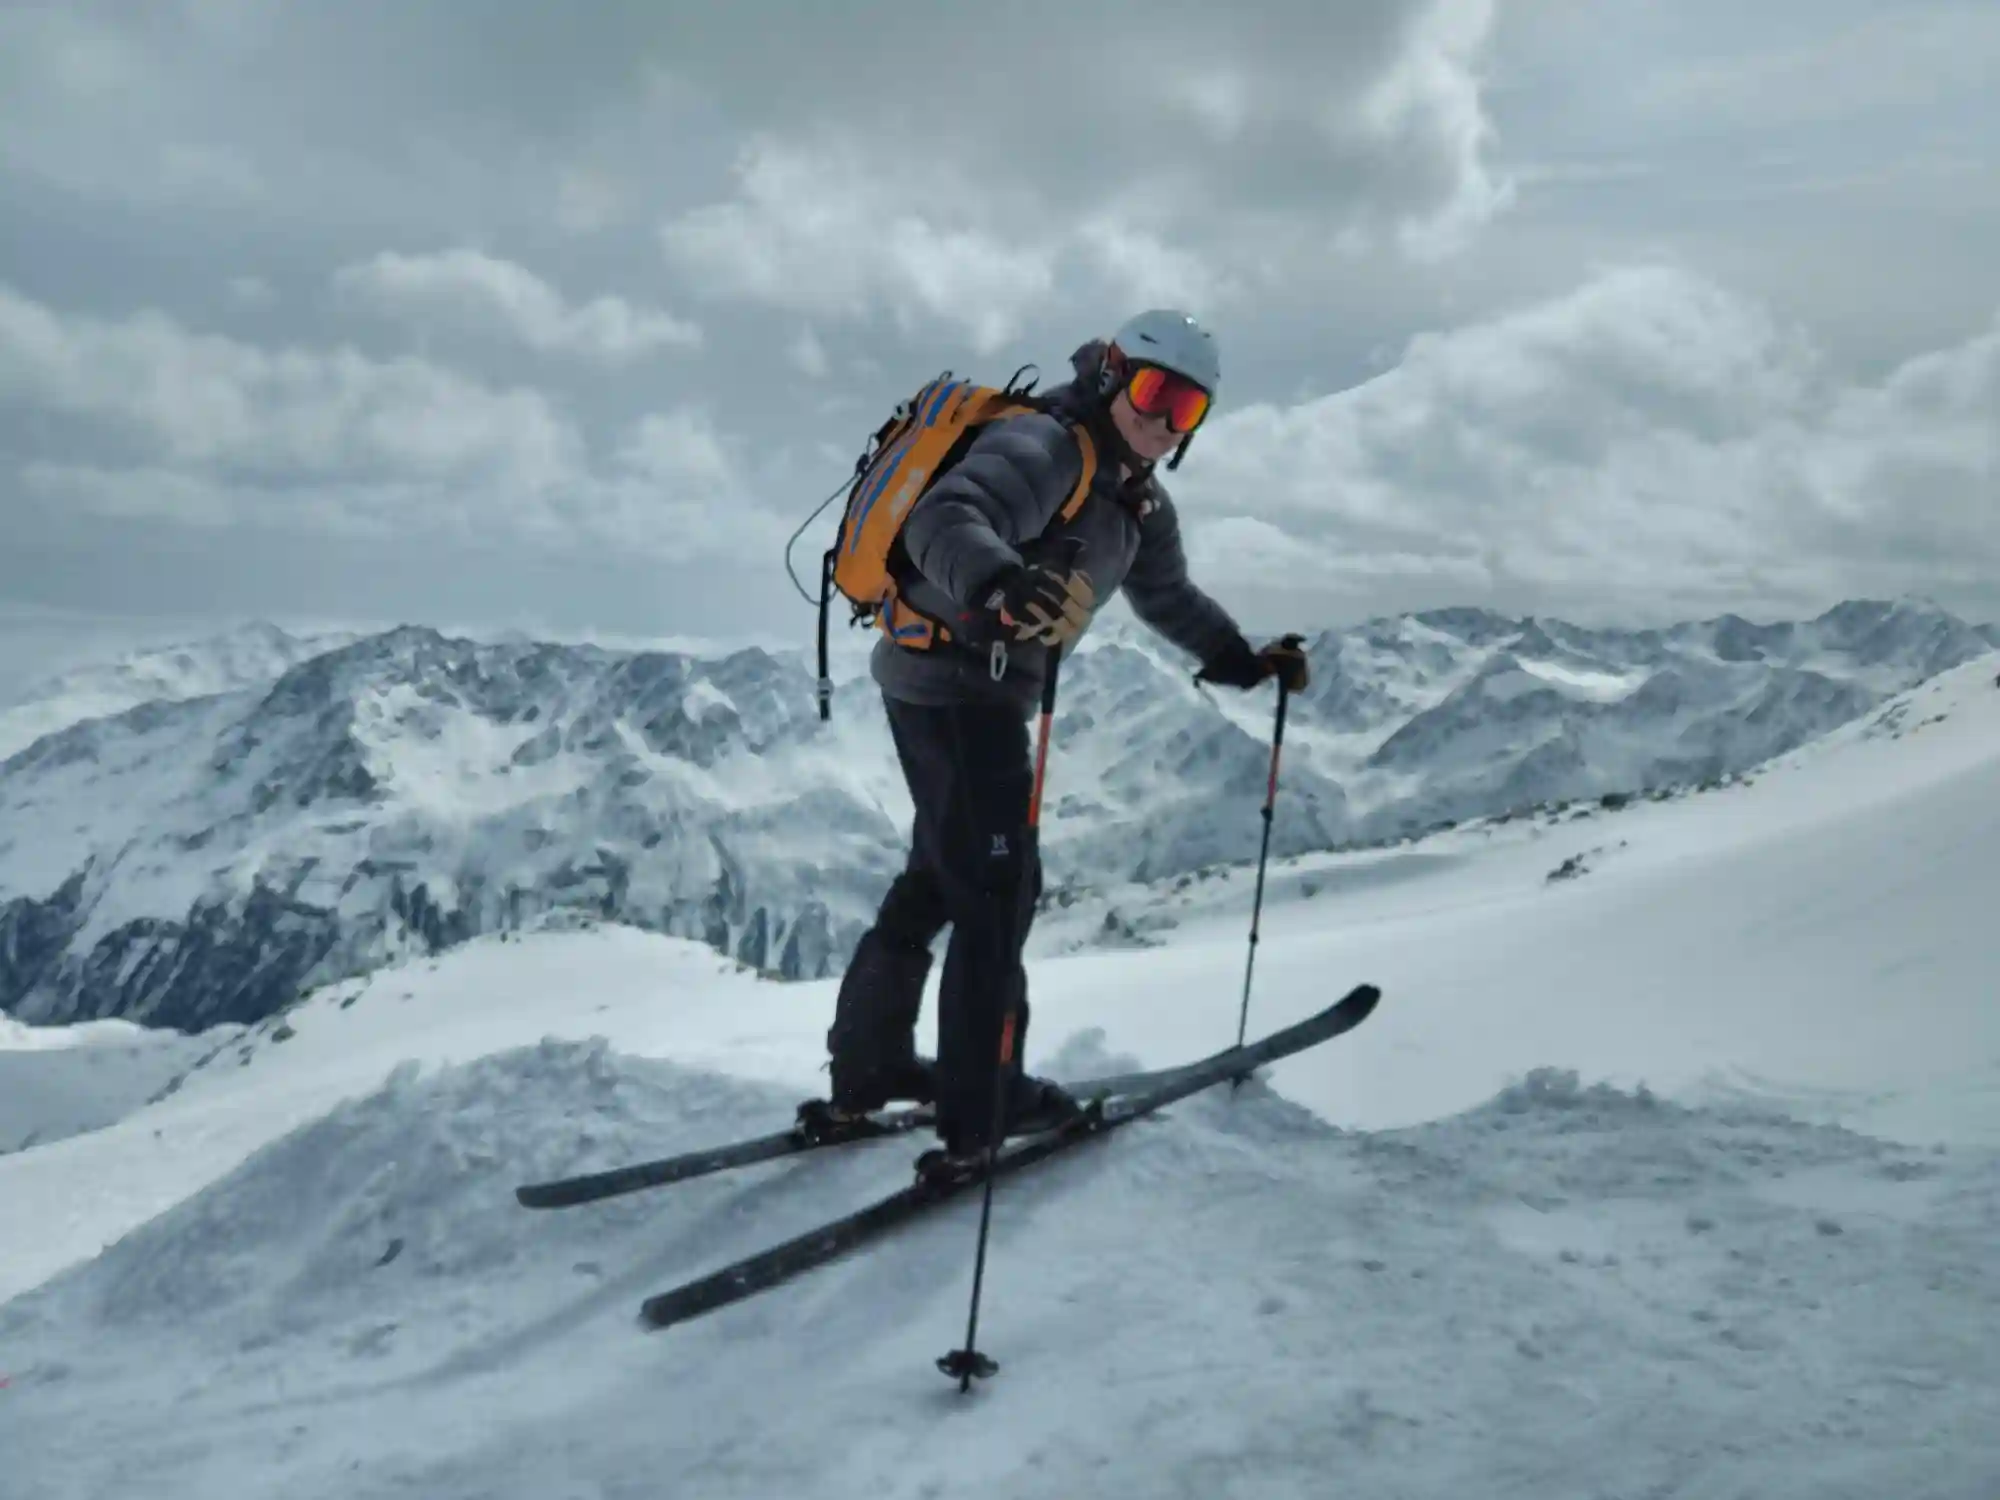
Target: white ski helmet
(1173, 341)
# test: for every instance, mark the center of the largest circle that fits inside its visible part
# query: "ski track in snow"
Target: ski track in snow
(302, 1273)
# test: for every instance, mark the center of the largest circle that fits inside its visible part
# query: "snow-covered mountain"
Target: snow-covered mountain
(1678, 1179)
(197, 859)
(252, 655)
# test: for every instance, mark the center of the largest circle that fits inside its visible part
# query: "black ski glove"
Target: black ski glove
(1038, 603)
(1238, 665)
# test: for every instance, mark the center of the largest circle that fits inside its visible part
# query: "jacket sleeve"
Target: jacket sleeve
(1006, 490)
(1165, 598)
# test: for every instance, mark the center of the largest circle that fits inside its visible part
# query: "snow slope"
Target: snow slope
(57, 1081)
(1421, 1261)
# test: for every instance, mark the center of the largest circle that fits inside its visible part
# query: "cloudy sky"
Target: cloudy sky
(514, 315)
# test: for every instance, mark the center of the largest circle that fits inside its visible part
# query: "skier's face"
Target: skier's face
(1151, 438)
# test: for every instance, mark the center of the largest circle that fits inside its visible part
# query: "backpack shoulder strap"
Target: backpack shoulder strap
(998, 404)
(1086, 476)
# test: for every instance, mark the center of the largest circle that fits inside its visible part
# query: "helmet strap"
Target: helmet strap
(1180, 452)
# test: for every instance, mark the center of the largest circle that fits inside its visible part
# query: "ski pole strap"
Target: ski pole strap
(823, 689)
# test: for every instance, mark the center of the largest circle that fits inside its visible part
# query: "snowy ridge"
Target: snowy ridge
(205, 860)
(250, 656)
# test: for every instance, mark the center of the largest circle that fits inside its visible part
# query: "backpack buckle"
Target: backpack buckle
(996, 661)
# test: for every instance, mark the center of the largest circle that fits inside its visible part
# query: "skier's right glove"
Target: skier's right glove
(1034, 602)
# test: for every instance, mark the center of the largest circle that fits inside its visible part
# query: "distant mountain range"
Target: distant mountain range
(194, 836)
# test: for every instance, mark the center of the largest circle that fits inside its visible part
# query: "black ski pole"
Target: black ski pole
(965, 1364)
(1264, 854)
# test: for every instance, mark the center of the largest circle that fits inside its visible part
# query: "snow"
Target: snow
(704, 699)
(1679, 1177)
(1600, 687)
(244, 657)
(58, 1081)
(14, 1037)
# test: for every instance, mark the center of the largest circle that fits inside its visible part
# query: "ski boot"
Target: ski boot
(945, 1167)
(1034, 1106)
(872, 1043)
(1038, 1104)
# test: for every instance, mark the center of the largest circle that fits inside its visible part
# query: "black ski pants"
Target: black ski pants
(974, 865)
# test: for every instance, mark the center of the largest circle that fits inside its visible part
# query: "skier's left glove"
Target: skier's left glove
(1238, 665)
(1235, 665)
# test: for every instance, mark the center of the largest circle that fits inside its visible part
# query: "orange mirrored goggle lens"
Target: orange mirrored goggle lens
(1161, 393)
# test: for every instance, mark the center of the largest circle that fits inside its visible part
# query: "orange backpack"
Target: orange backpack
(919, 443)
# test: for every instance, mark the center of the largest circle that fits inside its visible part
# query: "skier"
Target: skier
(985, 547)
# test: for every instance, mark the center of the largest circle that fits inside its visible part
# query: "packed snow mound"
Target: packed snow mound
(410, 1188)
(391, 1201)
(1237, 1295)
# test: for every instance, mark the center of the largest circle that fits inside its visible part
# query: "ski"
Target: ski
(590, 1187)
(1107, 1112)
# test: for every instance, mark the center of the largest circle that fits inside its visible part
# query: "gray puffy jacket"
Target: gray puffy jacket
(993, 505)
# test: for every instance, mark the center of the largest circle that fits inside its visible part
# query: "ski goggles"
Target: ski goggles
(1155, 392)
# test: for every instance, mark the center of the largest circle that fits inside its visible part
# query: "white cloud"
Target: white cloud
(807, 355)
(587, 202)
(1205, 164)
(485, 292)
(1908, 55)
(208, 171)
(378, 508)
(1368, 120)
(677, 487)
(682, 449)
(226, 433)
(252, 291)
(133, 494)
(1649, 442)
(1145, 269)
(91, 63)
(1426, 113)
(824, 231)
(204, 399)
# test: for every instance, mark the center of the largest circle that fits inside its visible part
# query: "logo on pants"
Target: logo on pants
(1000, 849)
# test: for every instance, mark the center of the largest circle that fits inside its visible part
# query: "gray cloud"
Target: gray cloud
(1879, 65)
(225, 433)
(394, 311)
(1371, 109)
(975, 169)
(471, 287)
(203, 399)
(1650, 444)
